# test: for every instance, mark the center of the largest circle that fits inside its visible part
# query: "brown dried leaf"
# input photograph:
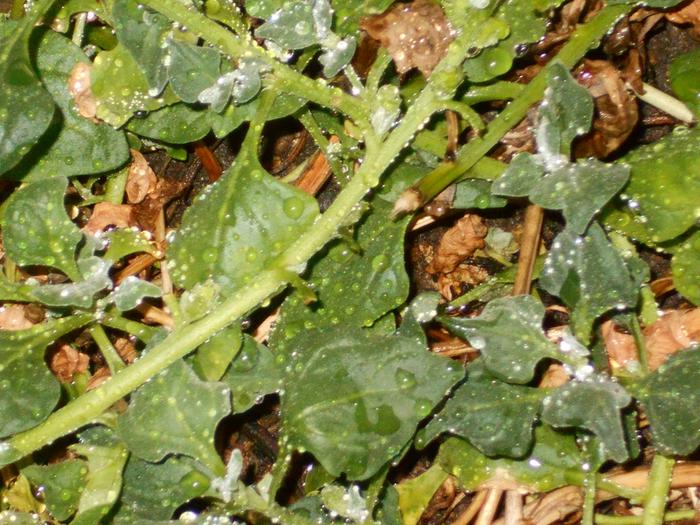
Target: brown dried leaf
(416, 34)
(126, 349)
(67, 361)
(141, 179)
(80, 88)
(458, 243)
(554, 376)
(100, 376)
(687, 13)
(106, 214)
(451, 284)
(616, 112)
(620, 346)
(15, 317)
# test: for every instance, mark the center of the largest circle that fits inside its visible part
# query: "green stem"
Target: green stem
(376, 72)
(142, 331)
(677, 515)
(288, 80)
(657, 489)
(584, 38)
(500, 90)
(114, 360)
(589, 488)
(79, 29)
(640, 343)
(115, 186)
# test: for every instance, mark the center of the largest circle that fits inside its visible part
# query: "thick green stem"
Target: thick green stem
(677, 515)
(584, 38)
(110, 354)
(640, 344)
(657, 490)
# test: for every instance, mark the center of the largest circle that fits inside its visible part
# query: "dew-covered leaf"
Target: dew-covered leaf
(62, 484)
(176, 124)
(345, 502)
(29, 390)
(594, 405)
(509, 335)
(415, 493)
(521, 176)
(476, 193)
(48, 238)
(353, 399)
(175, 413)
(120, 87)
(495, 417)
(192, 69)
(198, 301)
(235, 115)
(131, 292)
(144, 34)
(14, 291)
(572, 272)
(252, 374)
(127, 241)
(337, 56)
(684, 74)
(20, 518)
(238, 225)
(26, 108)
(298, 24)
(73, 145)
(95, 272)
(669, 397)
(544, 469)
(685, 266)
(214, 356)
(154, 491)
(104, 481)
(348, 13)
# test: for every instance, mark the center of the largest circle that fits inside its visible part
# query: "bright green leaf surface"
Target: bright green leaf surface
(95, 273)
(495, 417)
(238, 225)
(176, 124)
(686, 267)
(29, 390)
(214, 356)
(125, 241)
(670, 399)
(8, 517)
(509, 335)
(476, 193)
(14, 291)
(252, 374)
(175, 413)
(132, 291)
(26, 108)
(415, 494)
(299, 25)
(48, 238)
(353, 399)
(192, 69)
(593, 405)
(62, 484)
(684, 74)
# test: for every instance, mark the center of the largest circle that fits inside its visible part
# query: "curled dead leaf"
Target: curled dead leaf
(100, 376)
(126, 349)
(141, 180)
(458, 243)
(79, 86)
(416, 34)
(67, 362)
(451, 284)
(687, 13)
(616, 112)
(106, 214)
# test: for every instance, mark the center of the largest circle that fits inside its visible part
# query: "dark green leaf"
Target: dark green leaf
(26, 108)
(349, 12)
(495, 417)
(73, 145)
(175, 413)
(127, 241)
(238, 225)
(144, 34)
(476, 193)
(509, 335)
(48, 238)
(29, 390)
(670, 399)
(104, 481)
(155, 490)
(353, 399)
(252, 374)
(521, 176)
(131, 292)
(176, 124)
(684, 74)
(572, 271)
(594, 405)
(61, 484)
(685, 265)
(192, 69)
(214, 356)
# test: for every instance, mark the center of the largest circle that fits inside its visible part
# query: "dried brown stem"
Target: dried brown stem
(529, 246)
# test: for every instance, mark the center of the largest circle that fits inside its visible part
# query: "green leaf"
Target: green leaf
(415, 494)
(298, 25)
(61, 485)
(73, 145)
(252, 374)
(26, 108)
(572, 272)
(199, 300)
(29, 390)
(96, 278)
(104, 481)
(192, 69)
(509, 335)
(669, 396)
(176, 124)
(495, 417)
(120, 87)
(347, 503)
(15, 291)
(214, 356)
(353, 399)
(126, 241)
(684, 74)
(546, 468)
(175, 413)
(348, 13)
(48, 238)
(476, 193)
(19, 518)
(238, 225)
(144, 33)
(131, 292)
(685, 264)
(155, 490)
(594, 405)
